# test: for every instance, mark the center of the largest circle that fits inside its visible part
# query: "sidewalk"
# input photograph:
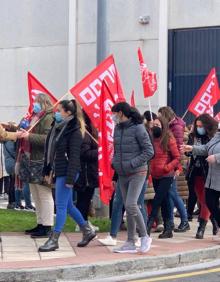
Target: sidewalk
(19, 253)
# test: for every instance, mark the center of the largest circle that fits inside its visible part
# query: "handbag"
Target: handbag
(30, 171)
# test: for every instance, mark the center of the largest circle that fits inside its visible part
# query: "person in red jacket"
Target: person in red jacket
(162, 168)
(176, 126)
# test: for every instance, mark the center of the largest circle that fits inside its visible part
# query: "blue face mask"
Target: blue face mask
(201, 130)
(58, 117)
(37, 108)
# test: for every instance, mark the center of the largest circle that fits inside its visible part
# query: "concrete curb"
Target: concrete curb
(109, 269)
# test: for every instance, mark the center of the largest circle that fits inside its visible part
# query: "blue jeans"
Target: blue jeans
(118, 205)
(26, 193)
(64, 205)
(176, 201)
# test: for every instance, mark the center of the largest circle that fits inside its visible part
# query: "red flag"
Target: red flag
(87, 91)
(217, 117)
(207, 96)
(149, 78)
(106, 149)
(132, 99)
(34, 88)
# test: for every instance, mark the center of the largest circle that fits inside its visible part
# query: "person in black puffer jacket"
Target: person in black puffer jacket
(62, 160)
(132, 151)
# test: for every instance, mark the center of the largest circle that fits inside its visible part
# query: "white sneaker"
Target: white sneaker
(145, 244)
(108, 241)
(95, 228)
(128, 247)
(138, 242)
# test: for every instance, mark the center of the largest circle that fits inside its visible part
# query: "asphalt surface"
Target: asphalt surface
(210, 275)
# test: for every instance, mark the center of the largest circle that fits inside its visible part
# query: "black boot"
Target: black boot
(88, 235)
(168, 231)
(215, 227)
(201, 229)
(35, 229)
(51, 244)
(43, 232)
(183, 227)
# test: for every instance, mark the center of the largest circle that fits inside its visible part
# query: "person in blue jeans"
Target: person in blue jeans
(116, 215)
(177, 127)
(62, 160)
(176, 201)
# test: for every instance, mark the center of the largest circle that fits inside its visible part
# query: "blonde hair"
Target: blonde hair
(80, 117)
(44, 101)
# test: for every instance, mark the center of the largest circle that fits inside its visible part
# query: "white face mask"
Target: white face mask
(115, 118)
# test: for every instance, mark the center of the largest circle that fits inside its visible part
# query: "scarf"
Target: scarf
(25, 148)
(56, 132)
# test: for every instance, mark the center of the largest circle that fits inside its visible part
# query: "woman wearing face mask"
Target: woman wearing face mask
(211, 151)
(176, 126)
(62, 160)
(132, 151)
(162, 171)
(32, 144)
(203, 130)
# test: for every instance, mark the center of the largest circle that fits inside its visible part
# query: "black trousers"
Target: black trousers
(212, 201)
(161, 199)
(84, 198)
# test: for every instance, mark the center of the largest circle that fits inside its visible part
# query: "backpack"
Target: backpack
(9, 150)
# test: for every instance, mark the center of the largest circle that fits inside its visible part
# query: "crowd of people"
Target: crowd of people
(59, 150)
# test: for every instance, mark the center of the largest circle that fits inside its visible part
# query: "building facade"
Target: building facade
(56, 41)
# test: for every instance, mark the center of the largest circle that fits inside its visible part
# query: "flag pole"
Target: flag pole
(185, 114)
(149, 104)
(57, 102)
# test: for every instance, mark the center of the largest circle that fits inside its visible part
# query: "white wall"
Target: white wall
(193, 13)
(126, 35)
(34, 37)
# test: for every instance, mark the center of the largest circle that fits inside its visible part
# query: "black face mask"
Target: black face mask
(157, 131)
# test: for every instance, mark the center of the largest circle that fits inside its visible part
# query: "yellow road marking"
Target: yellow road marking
(176, 276)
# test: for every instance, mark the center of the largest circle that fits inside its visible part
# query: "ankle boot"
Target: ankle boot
(88, 235)
(51, 244)
(35, 229)
(201, 229)
(183, 227)
(168, 231)
(215, 227)
(43, 232)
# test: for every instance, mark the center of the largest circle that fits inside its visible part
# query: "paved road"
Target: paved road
(210, 275)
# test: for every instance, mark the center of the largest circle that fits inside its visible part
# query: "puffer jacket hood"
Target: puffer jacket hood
(177, 127)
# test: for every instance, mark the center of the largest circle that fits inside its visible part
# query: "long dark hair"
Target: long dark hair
(209, 123)
(166, 134)
(128, 111)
